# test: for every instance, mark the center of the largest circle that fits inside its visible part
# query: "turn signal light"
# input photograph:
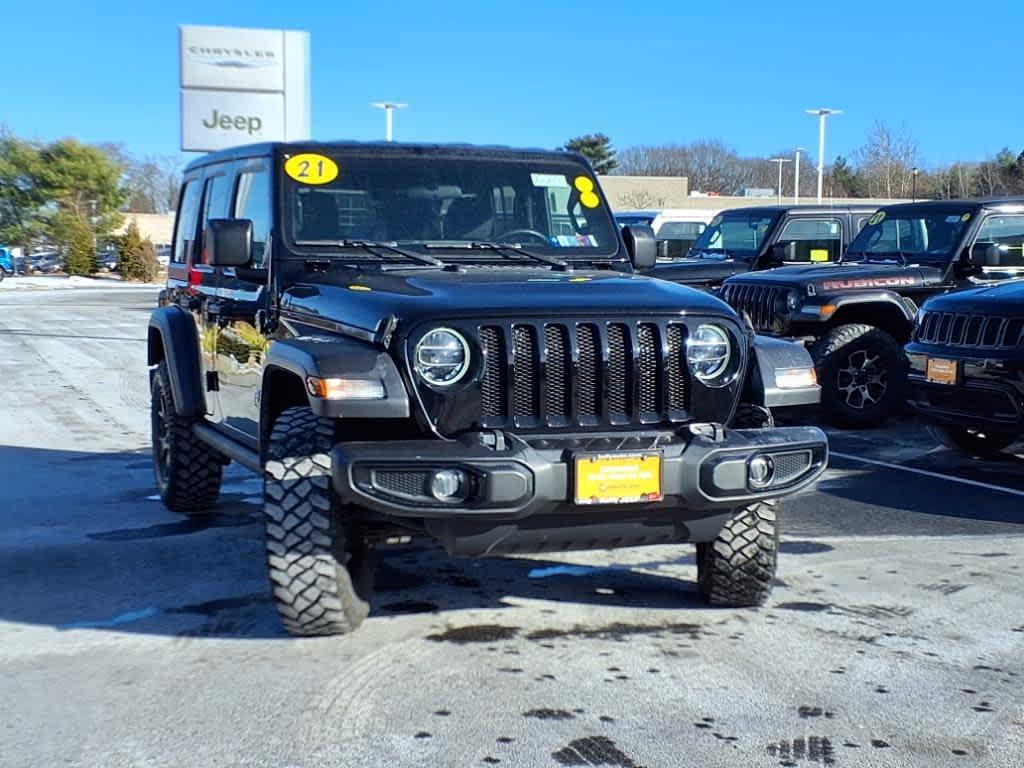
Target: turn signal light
(795, 378)
(345, 389)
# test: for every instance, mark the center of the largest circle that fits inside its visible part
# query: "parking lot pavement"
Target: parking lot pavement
(132, 637)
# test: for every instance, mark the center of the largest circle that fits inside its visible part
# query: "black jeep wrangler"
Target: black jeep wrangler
(857, 315)
(451, 342)
(967, 361)
(743, 240)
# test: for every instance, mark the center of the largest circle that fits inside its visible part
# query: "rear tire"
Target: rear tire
(188, 472)
(973, 442)
(862, 372)
(737, 569)
(320, 573)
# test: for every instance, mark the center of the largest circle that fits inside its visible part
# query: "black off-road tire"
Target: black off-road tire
(188, 472)
(849, 351)
(737, 569)
(321, 578)
(973, 442)
(750, 416)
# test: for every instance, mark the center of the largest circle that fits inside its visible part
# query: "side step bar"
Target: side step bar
(228, 447)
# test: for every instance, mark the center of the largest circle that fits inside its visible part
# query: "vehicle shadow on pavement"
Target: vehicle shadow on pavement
(86, 545)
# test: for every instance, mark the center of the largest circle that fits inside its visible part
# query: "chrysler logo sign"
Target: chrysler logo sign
(237, 58)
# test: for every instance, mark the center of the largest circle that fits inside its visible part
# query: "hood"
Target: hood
(835, 278)
(1004, 298)
(365, 299)
(699, 271)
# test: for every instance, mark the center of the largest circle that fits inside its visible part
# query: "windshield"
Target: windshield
(922, 235)
(734, 234)
(447, 204)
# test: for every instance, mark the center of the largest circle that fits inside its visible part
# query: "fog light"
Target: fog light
(760, 471)
(448, 484)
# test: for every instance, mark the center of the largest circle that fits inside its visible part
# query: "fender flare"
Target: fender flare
(768, 355)
(339, 357)
(172, 338)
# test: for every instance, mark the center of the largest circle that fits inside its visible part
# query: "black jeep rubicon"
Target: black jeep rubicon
(967, 363)
(857, 314)
(451, 342)
(743, 240)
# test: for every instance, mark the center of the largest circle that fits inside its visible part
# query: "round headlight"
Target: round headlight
(441, 357)
(793, 301)
(708, 353)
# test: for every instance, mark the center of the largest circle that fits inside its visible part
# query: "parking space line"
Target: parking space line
(928, 473)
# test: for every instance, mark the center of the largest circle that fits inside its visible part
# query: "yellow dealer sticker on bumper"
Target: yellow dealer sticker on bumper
(618, 478)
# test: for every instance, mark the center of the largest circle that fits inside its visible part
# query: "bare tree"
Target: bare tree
(887, 161)
(638, 200)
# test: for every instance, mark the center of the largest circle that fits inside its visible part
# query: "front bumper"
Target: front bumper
(987, 394)
(704, 472)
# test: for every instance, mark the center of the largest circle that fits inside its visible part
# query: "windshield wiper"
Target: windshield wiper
(375, 248)
(504, 249)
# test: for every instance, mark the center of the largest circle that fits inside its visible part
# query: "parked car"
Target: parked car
(855, 316)
(967, 367)
(452, 343)
(675, 229)
(45, 262)
(8, 266)
(107, 260)
(742, 240)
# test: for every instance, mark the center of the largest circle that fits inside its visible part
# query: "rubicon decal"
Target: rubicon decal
(868, 282)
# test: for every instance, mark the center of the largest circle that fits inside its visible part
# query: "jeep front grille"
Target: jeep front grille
(966, 330)
(760, 302)
(583, 374)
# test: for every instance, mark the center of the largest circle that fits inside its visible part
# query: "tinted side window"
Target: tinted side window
(817, 240)
(185, 229)
(215, 206)
(252, 201)
(1007, 233)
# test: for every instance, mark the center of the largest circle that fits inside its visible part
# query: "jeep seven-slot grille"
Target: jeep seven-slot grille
(760, 302)
(968, 330)
(585, 374)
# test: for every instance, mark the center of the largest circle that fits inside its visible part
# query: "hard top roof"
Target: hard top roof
(267, 149)
(804, 208)
(959, 203)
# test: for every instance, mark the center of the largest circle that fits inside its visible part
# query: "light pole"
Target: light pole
(796, 175)
(822, 114)
(914, 171)
(781, 161)
(389, 119)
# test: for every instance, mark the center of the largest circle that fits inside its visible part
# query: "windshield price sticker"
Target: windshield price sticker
(585, 187)
(877, 218)
(310, 168)
(549, 180)
(966, 217)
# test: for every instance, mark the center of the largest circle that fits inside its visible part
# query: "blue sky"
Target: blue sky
(532, 73)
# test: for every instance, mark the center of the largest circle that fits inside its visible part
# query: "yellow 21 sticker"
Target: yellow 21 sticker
(588, 197)
(310, 168)
(877, 218)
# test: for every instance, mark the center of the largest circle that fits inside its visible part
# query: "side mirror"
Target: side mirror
(228, 242)
(780, 253)
(641, 246)
(986, 255)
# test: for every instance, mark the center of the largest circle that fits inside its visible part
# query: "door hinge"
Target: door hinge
(212, 382)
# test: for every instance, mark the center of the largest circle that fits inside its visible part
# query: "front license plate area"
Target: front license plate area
(942, 371)
(618, 478)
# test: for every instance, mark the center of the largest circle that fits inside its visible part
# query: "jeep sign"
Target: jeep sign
(240, 86)
(219, 119)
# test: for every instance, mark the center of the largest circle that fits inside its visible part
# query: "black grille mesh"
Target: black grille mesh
(557, 386)
(789, 466)
(589, 371)
(963, 330)
(408, 483)
(586, 374)
(760, 302)
(647, 363)
(524, 371)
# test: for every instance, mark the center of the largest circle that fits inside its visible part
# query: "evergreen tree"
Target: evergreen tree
(80, 258)
(597, 148)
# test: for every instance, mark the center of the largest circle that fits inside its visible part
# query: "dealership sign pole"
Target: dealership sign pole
(240, 86)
